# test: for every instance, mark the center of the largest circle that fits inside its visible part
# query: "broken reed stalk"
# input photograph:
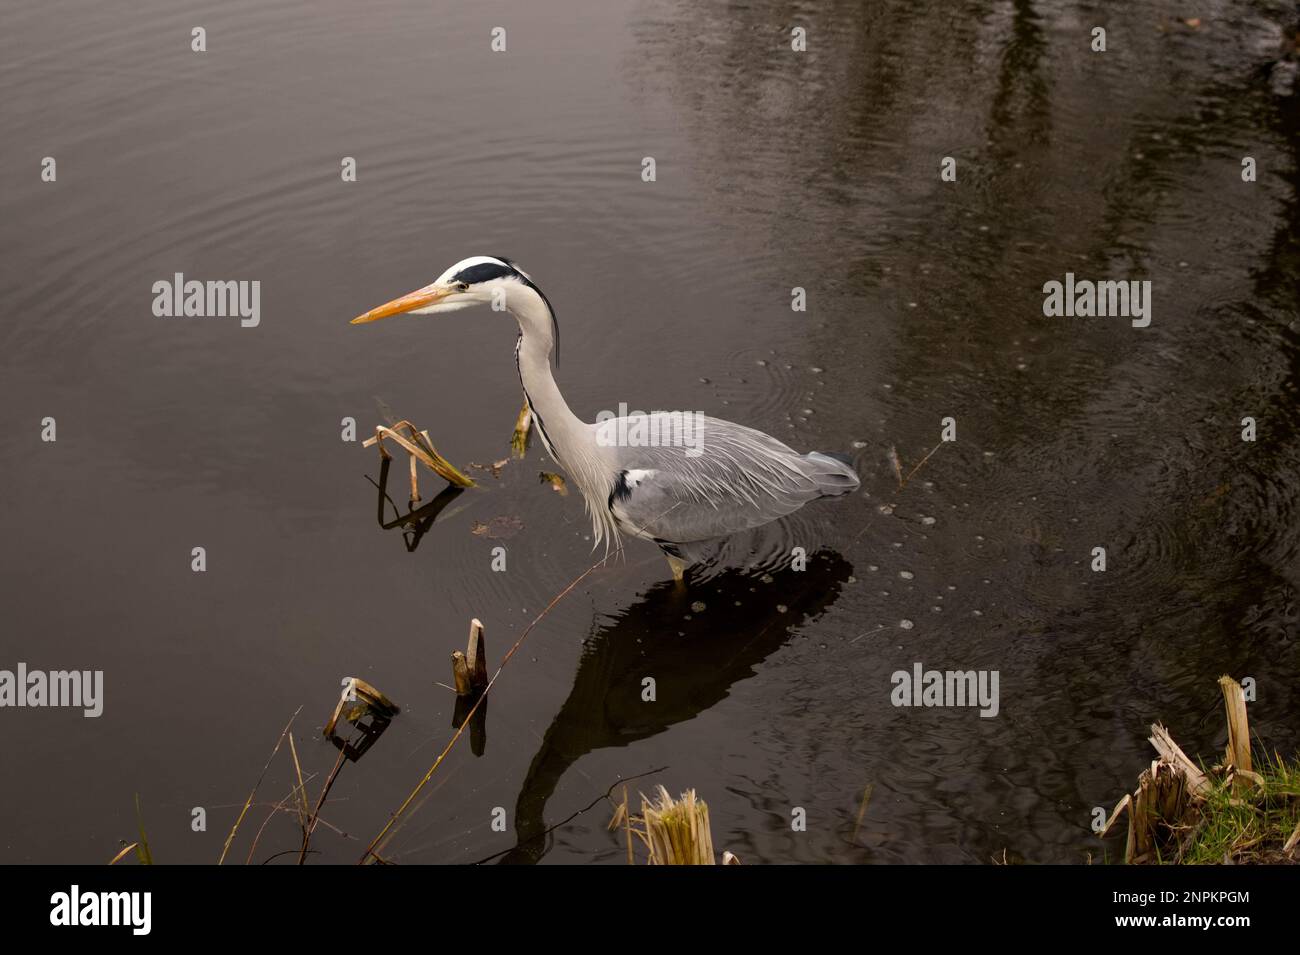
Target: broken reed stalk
(393, 819)
(248, 802)
(476, 655)
(1234, 703)
(460, 674)
(418, 446)
(469, 669)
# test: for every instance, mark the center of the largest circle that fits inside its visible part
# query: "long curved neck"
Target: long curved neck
(561, 430)
(569, 441)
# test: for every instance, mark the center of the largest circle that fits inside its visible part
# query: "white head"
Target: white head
(478, 280)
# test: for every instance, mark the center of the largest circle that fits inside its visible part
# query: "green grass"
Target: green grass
(1249, 826)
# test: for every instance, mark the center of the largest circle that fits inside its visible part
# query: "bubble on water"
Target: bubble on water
(936, 609)
(886, 509)
(761, 363)
(767, 578)
(781, 608)
(873, 567)
(906, 574)
(698, 606)
(905, 625)
(977, 613)
(988, 454)
(816, 369)
(859, 445)
(928, 521)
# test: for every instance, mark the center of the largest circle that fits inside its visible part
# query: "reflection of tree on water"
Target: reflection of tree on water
(694, 663)
(1119, 165)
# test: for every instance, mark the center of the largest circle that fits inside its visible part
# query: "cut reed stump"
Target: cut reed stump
(675, 831)
(1165, 812)
(1238, 754)
(469, 669)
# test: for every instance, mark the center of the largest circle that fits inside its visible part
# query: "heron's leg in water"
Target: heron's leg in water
(678, 567)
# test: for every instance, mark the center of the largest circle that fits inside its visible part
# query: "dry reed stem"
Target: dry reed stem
(418, 446)
(1234, 704)
(235, 828)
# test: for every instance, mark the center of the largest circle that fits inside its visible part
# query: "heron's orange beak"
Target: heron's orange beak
(428, 295)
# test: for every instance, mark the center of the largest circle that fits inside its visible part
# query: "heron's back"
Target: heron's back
(677, 480)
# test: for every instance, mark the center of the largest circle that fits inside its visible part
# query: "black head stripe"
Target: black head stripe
(484, 272)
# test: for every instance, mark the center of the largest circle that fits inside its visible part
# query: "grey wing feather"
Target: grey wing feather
(729, 479)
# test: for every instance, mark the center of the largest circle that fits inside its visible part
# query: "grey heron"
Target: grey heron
(706, 480)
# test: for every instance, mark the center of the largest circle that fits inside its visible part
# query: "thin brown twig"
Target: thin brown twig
(324, 794)
(575, 814)
(278, 807)
(235, 828)
(392, 820)
(302, 787)
(903, 483)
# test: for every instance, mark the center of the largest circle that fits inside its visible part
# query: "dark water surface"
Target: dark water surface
(775, 170)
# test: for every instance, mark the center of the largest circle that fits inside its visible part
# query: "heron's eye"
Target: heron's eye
(462, 286)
